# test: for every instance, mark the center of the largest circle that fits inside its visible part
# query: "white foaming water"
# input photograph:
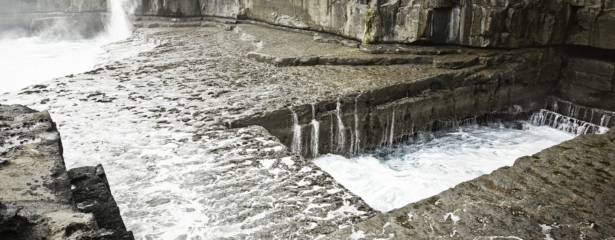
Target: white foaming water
(395, 176)
(315, 131)
(28, 60)
(296, 144)
(340, 127)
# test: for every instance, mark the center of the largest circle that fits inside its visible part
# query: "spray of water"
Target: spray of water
(56, 47)
(119, 25)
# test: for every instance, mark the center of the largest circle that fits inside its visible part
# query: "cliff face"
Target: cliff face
(499, 23)
(475, 23)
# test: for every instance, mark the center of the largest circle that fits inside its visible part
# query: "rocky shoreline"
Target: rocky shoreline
(209, 134)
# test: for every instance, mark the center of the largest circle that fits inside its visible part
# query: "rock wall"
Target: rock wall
(35, 189)
(505, 84)
(502, 24)
(589, 82)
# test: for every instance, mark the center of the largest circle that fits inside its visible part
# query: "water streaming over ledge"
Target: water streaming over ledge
(414, 167)
(314, 137)
(296, 144)
(567, 124)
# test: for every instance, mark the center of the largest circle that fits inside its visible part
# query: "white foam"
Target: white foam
(29, 60)
(395, 176)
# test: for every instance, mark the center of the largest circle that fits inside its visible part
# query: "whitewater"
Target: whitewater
(29, 59)
(394, 176)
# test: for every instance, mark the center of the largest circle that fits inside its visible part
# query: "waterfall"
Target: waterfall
(341, 138)
(357, 138)
(331, 137)
(567, 124)
(296, 144)
(119, 26)
(604, 121)
(315, 130)
(383, 140)
(392, 135)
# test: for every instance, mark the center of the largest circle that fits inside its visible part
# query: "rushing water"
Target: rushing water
(394, 176)
(31, 59)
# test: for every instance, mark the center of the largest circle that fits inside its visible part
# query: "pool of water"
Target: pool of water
(394, 176)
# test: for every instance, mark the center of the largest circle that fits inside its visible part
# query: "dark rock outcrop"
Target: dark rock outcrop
(92, 194)
(35, 197)
(589, 82)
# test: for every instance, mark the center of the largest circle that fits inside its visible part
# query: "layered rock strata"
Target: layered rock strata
(164, 124)
(497, 85)
(35, 189)
(469, 23)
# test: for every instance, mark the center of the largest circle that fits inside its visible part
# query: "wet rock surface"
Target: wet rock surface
(173, 168)
(164, 123)
(35, 197)
(563, 192)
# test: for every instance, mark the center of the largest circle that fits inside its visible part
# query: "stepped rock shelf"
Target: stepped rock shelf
(168, 126)
(209, 134)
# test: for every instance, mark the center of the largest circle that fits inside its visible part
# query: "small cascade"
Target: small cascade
(567, 124)
(341, 138)
(296, 144)
(315, 130)
(392, 134)
(357, 138)
(383, 140)
(604, 121)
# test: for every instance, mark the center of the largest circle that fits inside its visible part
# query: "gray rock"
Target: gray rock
(35, 197)
(563, 192)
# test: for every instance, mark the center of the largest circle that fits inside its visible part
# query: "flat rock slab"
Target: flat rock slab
(563, 192)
